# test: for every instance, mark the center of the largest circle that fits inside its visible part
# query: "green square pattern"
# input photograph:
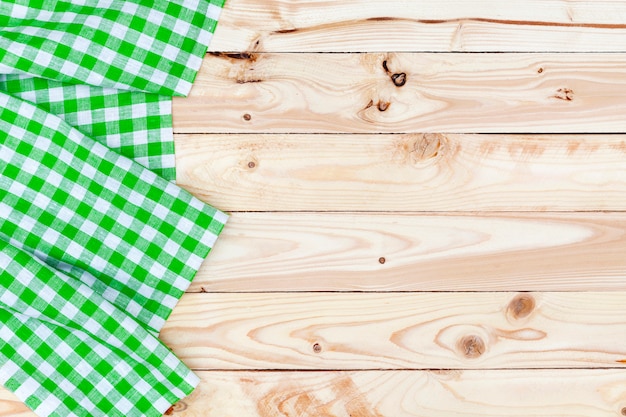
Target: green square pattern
(136, 124)
(151, 46)
(108, 68)
(97, 244)
(81, 228)
(86, 230)
(69, 352)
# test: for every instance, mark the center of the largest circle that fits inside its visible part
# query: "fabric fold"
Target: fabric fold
(97, 245)
(135, 124)
(150, 46)
(131, 235)
(69, 352)
(108, 68)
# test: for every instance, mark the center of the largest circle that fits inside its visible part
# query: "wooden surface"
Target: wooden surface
(415, 232)
(355, 331)
(417, 172)
(406, 92)
(514, 251)
(408, 393)
(428, 204)
(437, 393)
(426, 25)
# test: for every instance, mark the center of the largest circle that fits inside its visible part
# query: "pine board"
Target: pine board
(427, 25)
(327, 331)
(263, 252)
(523, 393)
(579, 393)
(410, 172)
(406, 92)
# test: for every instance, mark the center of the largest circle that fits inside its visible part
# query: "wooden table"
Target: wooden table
(427, 205)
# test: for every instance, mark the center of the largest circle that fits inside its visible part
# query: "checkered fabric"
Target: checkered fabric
(136, 124)
(69, 352)
(97, 245)
(134, 237)
(150, 47)
(104, 223)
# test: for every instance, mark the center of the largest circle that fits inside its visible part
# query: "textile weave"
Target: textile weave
(97, 245)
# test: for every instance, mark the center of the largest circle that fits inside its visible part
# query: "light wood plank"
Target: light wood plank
(398, 330)
(409, 252)
(571, 393)
(11, 406)
(430, 25)
(524, 393)
(402, 92)
(415, 172)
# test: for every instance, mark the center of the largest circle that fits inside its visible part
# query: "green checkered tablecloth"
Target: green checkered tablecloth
(73, 57)
(134, 123)
(97, 244)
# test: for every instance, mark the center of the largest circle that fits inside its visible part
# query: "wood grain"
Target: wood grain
(540, 393)
(436, 199)
(430, 25)
(406, 92)
(413, 172)
(549, 393)
(11, 406)
(398, 330)
(410, 252)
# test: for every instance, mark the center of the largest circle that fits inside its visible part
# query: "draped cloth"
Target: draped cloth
(97, 244)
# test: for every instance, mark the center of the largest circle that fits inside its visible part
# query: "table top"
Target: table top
(427, 204)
